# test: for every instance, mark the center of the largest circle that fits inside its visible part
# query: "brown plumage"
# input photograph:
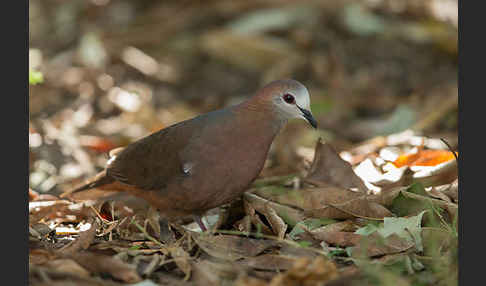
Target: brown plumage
(204, 162)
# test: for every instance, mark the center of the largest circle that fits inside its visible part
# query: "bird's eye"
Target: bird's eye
(289, 98)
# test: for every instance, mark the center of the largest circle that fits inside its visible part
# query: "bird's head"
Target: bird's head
(289, 98)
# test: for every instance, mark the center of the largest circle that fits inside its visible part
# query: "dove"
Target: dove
(198, 164)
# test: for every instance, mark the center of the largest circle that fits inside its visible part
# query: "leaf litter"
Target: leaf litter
(343, 222)
(380, 212)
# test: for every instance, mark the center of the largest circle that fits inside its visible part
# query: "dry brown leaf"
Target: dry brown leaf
(231, 247)
(279, 227)
(250, 281)
(329, 168)
(290, 250)
(339, 238)
(307, 272)
(48, 276)
(153, 218)
(40, 256)
(433, 192)
(308, 198)
(244, 224)
(375, 245)
(182, 260)
(255, 219)
(39, 230)
(290, 215)
(209, 272)
(83, 241)
(359, 207)
(328, 212)
(386, 196)
(41, 209)
(451, 190)
(98, 263)
(60, 210)
(340, 233)
(268, 262)
(364, 208)
(68, 266)
(326, 202)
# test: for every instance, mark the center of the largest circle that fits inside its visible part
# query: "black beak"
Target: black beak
(308, 115)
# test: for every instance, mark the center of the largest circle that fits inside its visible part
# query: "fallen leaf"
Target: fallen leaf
(309, 225)
(340, 233)
(231, 247)
(326, 202)
(440, 174)
(307, 272)
(268, 262)
(181, 258)
(377, 245)
(98, 263)
(363, 208)
(255, 219)
(290, 215)
(329, 168)
(209, 272)
(408, 228)
(84, 240)
(40, 256)
(278, 225)
(339, 238)
(436, 241)
(394, 235)
(68, 266)
(98, 144)
(424, 158)
(367, 171)
(451, 190)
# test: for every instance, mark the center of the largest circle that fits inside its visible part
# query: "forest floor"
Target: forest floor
(370, 198)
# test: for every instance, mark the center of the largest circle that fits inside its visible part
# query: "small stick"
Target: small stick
(450, 148)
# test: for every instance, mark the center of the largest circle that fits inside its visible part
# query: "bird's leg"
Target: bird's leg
(200, 222)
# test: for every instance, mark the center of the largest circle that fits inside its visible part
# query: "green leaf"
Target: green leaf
(35, 77)
(309, 224)
(408, 228)
(337, 252)
(403, 206)
(304, 243)
(135, 247)
(367, 229)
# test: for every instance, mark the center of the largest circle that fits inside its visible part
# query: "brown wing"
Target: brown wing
(151, 161)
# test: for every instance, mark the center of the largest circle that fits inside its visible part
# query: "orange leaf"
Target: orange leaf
(424, 158)
(96, 143)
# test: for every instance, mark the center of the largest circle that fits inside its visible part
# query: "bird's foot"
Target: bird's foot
(199, 221)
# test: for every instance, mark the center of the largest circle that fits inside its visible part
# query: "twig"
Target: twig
(272, 180)
(148, 236)
(260, 235)
(450, 148)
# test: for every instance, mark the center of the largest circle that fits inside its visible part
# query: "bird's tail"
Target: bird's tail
(101, 179)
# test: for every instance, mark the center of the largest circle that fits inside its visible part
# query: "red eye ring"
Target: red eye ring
(289, 98)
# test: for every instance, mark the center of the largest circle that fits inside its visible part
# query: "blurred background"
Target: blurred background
(104, 73)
